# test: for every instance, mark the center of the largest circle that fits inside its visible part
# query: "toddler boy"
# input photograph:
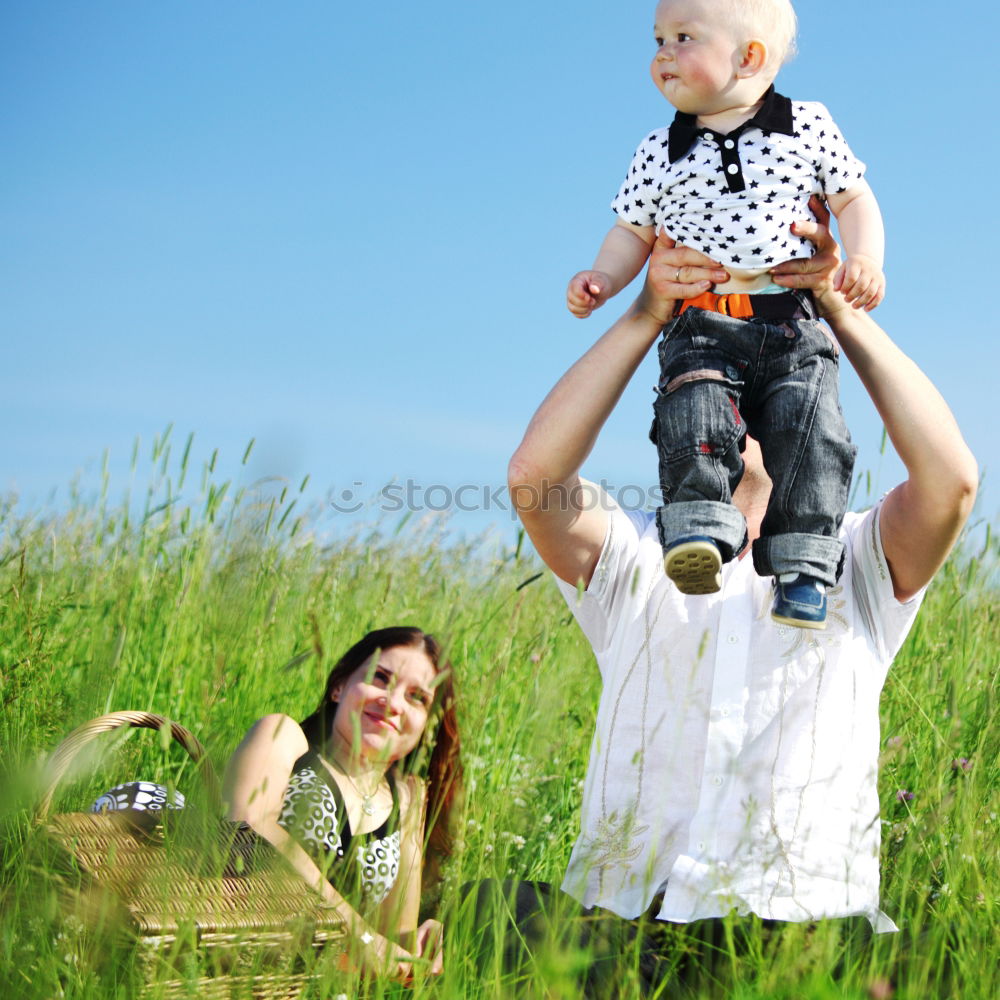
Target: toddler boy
(730, 175)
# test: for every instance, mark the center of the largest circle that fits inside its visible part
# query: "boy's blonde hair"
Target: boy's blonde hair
(772, 21)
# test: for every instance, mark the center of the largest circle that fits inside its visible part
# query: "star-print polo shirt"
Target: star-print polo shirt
(735, 196)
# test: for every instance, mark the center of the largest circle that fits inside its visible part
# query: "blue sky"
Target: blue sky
(345, 231)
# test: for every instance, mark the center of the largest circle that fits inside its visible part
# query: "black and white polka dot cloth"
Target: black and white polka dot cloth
(735, 196)
(313, 813)
(309, 811)
(138, 795)
(379, 864)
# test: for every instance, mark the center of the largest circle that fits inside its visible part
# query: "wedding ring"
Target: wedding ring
(677, 276)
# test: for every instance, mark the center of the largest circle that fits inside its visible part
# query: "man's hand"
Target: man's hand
(861, 281)
(815, 273)
(676, 273)
(588, 290)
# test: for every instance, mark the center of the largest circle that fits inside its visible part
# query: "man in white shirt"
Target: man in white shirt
(733, 768)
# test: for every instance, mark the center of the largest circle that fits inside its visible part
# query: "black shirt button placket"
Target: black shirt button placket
(732, 168)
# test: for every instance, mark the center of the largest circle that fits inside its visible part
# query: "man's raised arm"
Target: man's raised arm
(923, 516)
(559, 510)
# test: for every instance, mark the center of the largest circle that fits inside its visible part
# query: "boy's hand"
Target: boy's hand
(861, 281)
(588, 290)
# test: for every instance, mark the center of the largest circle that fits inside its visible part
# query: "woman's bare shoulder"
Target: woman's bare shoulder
(279, 733)
(258, 771)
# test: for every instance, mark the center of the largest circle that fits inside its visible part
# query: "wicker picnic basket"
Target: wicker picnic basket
(212, 910)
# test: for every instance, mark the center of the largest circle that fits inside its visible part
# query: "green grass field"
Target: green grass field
(217, 613)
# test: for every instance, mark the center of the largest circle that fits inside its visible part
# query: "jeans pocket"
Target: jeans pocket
(818, 338)
(697, 413)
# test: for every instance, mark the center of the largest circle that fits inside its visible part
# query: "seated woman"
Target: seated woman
(342, 797)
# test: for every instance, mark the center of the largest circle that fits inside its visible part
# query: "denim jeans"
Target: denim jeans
(520, 926)
(721, 378)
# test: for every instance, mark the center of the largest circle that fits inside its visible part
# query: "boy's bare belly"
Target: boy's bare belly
(744, 280)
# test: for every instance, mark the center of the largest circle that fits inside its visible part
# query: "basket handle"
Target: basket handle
(63, 756)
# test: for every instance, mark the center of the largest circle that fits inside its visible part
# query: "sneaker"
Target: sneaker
(799, 600)
(694, 563)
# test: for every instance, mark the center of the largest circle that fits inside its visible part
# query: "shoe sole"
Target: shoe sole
(797, 622)
(694, 567)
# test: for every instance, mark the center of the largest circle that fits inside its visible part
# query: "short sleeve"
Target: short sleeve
(599, 608)
(836, 165)
(888, 620)
(635, 199)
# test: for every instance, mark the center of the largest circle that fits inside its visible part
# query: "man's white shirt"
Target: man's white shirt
(734, 761)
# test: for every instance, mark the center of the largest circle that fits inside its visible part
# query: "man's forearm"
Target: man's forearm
(923, 516)
(564, 428)
(544, 472)
(916, 417)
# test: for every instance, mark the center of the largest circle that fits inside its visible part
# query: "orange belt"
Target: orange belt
(737, 304)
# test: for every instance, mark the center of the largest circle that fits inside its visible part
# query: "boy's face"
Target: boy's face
(696, 57)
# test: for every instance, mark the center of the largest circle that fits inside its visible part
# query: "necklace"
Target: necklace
(367, 801)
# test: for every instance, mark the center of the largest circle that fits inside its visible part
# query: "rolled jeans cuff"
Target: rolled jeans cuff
(815, 555)
(722, 522)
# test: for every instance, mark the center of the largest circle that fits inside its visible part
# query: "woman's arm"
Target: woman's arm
(256, 779)
(401, 908)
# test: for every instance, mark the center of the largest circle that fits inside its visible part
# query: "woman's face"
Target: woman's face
(382, 708)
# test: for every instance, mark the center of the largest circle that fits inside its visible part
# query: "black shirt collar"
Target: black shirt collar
(774, 115)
